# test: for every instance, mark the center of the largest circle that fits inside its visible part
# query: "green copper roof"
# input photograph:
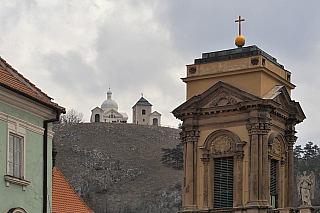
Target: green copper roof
(241, 52)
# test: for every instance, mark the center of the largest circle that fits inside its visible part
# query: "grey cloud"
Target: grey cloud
(143, 46)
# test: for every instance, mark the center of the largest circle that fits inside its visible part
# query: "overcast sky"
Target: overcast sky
(74, 49)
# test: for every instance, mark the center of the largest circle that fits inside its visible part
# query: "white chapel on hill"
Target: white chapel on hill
(108, 112)
(142, 113)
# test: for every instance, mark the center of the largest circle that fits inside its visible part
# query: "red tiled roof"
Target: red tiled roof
(13, 80)
(64, 198)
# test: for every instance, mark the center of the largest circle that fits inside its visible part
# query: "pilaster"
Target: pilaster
(205, 159)
(190, 139)
(290, 139)
(258, 128)
(239, 175)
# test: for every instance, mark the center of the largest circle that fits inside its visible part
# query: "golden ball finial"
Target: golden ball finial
(240, 41)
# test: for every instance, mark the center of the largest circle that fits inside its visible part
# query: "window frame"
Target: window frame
(16, 130)
(143, 111)
(15, 151)
(236, 151)
(217, 202)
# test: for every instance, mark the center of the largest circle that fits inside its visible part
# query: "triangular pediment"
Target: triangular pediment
(280, 95)
(113, 111)
(220, 94)
(97, 109)
(155, 113)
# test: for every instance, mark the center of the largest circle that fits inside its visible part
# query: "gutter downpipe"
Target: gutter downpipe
(45, 159)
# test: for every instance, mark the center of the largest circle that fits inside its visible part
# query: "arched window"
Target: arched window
(143, 112)
(277, 156)
(17, 210)
(222, 149)
(97, 118)
(155, 122)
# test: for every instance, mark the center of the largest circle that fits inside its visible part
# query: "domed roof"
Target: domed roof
(109, 103)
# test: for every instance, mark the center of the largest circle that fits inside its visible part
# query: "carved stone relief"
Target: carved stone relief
(222, 144)
(276, 147)
(223, 99)
(254, 61)
(192, 70)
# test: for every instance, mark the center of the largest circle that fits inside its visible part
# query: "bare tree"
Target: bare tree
(72, 116)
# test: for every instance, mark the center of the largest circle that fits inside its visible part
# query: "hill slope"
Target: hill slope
(117, 167)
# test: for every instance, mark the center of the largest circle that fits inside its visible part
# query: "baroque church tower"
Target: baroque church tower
(238, 131)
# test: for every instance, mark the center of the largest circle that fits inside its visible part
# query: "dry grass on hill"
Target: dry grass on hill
(117, 167)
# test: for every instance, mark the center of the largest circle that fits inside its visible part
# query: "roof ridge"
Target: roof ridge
(23, 80)
(11, 79)
(143, 101)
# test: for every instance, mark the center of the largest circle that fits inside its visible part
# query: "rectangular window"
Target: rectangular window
(273, 183)
(16, 151)
(15, 156)
(223, 182)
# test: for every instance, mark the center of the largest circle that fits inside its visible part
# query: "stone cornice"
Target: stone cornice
(23, 103)
(235, 72)
(195, 112)
(245, 105)
(25, 124)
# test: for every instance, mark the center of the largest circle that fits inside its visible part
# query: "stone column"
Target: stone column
(258, 129)
(205, 159)
(190, 173)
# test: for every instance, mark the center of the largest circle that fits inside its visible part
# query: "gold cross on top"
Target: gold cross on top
(240, 20)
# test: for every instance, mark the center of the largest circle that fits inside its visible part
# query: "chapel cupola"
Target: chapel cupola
(109, 103)
(108, 112)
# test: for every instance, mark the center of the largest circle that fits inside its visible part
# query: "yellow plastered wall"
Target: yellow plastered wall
(257, 80)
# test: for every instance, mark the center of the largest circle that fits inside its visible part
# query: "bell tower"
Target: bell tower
(238, 131)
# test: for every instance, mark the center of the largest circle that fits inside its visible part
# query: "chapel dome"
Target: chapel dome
(109, 103)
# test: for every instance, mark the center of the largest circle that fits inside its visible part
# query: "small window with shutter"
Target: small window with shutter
(223, 182)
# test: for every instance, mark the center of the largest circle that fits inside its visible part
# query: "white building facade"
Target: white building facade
(108, 112)
(142, 113)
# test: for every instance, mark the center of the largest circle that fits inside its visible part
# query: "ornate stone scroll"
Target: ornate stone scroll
(223, 99)
(222, 144)
(305, 186)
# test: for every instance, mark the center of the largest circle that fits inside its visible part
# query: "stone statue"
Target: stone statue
(305, 186)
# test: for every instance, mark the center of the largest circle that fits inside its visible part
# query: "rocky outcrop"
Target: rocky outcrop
(117, 167)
